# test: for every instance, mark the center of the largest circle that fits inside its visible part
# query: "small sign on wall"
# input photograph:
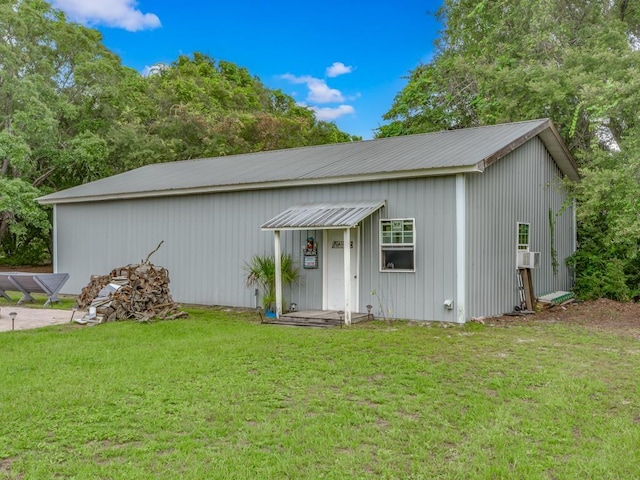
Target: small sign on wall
(340, 244)
(310, 257)
(310, 261)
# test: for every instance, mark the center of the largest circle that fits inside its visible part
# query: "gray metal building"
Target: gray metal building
(437, 223)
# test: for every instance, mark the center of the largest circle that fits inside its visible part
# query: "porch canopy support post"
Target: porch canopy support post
(278, 265)
(347, 275)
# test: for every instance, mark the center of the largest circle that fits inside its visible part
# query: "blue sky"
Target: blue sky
(345, 59)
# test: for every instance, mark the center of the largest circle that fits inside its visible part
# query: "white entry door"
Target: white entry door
(334, 273)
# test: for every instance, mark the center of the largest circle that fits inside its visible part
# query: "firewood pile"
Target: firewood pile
(139, 291)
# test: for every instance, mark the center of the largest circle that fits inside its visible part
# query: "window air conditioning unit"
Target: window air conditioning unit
(528, 259)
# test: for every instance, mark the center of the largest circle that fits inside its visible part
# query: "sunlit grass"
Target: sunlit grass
(219, 395)
(66, 302)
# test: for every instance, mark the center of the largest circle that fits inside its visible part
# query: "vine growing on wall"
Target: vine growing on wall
(552, 233)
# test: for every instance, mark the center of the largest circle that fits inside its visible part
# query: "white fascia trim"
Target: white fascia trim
(55, 239)
(461, 249)
(325, 269)
(432, 172)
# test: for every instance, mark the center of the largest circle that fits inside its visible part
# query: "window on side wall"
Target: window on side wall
(523, 237)
(397, 245)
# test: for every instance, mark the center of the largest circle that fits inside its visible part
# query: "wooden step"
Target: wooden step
(304, 322)
(315, 318)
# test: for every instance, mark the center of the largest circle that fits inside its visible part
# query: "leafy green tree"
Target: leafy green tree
(506, 60)
(208, 108)
(25, 225)
(54, 76)
(608, 258)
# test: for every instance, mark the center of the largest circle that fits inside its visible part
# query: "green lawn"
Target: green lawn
(220, 396)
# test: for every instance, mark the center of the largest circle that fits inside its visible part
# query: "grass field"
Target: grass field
(220, 396)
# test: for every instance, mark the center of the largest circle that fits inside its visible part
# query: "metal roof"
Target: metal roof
(323, 215)
(439, 153)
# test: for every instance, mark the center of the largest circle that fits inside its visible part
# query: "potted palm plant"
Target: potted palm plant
(261, 273)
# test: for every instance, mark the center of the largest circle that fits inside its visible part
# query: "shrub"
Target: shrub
(261, 273)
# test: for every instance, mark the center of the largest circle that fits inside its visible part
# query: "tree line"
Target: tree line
(71, 113)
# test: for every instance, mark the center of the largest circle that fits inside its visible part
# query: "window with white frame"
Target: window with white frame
(397, 245)
(523, 237)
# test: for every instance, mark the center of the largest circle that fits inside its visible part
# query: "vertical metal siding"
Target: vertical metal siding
(521, 187)
(209, 238)
(417, 295)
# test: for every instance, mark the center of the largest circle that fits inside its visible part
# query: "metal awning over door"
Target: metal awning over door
(323, 216)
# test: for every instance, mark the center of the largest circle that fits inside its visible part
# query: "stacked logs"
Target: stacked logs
(139, 291)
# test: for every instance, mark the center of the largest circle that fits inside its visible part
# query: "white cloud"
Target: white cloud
(155, 69)
(148, 71)
(319, 91)
(330, 114)
(337, 69)
(110, 13)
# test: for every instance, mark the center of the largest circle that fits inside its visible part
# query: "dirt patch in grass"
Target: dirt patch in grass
(6, 466)
(603, 314)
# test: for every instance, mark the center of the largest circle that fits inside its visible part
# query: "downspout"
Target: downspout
(461, 248)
